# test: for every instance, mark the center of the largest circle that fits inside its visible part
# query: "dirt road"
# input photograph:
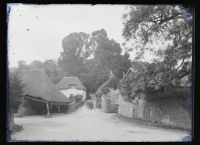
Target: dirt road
(90, 125)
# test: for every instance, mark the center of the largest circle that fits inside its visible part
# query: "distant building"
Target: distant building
(72, 86)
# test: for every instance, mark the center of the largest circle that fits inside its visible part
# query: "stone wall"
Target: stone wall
(125, 108)
(131, 109)
(106, 104)
(166, 112)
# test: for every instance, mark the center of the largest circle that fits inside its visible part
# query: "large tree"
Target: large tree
(108, 53)
(94, 77)
(119, 64)
(74, 52)
(92, 57)
(168, 26)
(15, 95)
(105, 48)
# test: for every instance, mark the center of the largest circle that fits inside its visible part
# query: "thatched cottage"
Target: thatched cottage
(71, 86)
(40, 94)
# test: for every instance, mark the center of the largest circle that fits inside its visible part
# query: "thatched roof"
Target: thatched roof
(39, 85)
(66, 82)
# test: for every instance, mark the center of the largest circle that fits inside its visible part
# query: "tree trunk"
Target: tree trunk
(10, 120)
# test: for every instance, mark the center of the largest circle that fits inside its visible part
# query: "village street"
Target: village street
(90, 125)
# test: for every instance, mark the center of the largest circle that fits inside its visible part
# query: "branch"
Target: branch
(183, 75)
(179, 65)
(170, 18)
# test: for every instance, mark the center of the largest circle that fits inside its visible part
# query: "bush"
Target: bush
(15, 91)
(98, 94)
(71, 97)
(78, 97)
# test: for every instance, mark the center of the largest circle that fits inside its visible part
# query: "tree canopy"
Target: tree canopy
(170, 27)
(92, 57)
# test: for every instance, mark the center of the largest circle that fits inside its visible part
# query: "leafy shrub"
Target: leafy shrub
(71, 97)
(98, 94)
(15, 91)
(78, 97)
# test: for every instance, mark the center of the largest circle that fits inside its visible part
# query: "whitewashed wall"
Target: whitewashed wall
(74, 92)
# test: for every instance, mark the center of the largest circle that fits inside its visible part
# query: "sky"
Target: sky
(35, 32)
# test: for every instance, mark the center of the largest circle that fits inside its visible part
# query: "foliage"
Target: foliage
(119, 64)
(78, 97)
(126, 89)
(50, 67)
(94, 77)
(104, 47)
(71, 60)
(113, 83)
(71, 63)
(143, 79)
(36, 64)
(15, 90)
(92, 57)
(108, 53)
(22, 65)
(98, 94)
(52, 70)
(71, 97)
(171, 26)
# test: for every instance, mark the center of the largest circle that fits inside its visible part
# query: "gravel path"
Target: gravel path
(90, 125)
